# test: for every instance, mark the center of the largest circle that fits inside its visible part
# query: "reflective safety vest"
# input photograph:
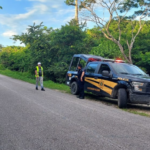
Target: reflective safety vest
(37, 69)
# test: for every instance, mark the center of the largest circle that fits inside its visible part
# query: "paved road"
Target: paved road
(51, 120)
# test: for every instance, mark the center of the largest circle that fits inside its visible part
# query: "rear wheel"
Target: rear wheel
(74, 88)
(122, 98)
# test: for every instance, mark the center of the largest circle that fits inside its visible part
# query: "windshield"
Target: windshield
(127, 69)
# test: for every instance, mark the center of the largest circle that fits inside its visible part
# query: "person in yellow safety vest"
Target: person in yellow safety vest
(39, 76)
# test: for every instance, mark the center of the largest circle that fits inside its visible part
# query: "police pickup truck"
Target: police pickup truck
(110, 78)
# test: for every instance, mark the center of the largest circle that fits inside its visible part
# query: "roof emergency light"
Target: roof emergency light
(119, 61)
(93, 59)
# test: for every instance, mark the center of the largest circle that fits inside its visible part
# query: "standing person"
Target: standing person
(39, 76)
(81, 81)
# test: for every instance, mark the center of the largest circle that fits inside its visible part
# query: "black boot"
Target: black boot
(42, 89)
(81, 97)
(36, 88)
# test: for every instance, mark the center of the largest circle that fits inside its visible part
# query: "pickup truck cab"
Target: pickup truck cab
(111, 78)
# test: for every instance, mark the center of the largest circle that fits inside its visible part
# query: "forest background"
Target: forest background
(55, 47)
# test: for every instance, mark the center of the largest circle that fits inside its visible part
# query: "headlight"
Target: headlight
(137, 86)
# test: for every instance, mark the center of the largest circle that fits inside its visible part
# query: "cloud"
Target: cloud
(41, 8)
(25, 15)
(17, 19)
(9, 33)
(53, 13)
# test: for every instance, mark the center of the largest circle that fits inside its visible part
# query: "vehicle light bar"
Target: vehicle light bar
(119, 61)
(93, 59)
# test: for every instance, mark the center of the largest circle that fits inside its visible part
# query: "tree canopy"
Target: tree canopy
(55, 48)
(118, 10)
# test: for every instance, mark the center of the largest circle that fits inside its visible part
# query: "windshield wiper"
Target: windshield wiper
(124, 73)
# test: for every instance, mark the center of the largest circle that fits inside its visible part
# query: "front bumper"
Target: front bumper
(139, 98)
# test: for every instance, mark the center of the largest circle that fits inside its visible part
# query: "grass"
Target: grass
(31, 79)
(107, 101)
(137, 112)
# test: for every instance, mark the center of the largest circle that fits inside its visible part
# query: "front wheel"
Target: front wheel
(122, 98)
(74, 88)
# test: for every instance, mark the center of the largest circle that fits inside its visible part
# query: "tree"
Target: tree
(1, 7)
(117, 11)
(15, 58)
(55, 48)
(38, 40)
(74, 3)
(1, 46)
(108, 49)
(67, 41)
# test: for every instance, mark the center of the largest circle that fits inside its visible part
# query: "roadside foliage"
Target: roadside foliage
(55, 48)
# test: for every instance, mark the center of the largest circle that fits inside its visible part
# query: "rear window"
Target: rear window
(75, 62)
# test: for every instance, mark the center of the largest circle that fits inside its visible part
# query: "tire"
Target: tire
(122, 98)
(74, 88)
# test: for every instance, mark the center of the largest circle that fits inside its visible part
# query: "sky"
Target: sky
(16, 15)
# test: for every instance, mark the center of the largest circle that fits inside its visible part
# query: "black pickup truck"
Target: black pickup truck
(111, 78)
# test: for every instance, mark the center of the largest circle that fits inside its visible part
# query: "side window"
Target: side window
(91, 68)
(104, 67)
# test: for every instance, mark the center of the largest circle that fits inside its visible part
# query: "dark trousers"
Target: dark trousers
(81, 89)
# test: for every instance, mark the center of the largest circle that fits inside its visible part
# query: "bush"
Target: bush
(16, 58)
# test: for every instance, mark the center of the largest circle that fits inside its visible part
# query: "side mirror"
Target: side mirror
(106, 73)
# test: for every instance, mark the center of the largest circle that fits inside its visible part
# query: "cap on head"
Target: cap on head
(79, 65)
(39, 63)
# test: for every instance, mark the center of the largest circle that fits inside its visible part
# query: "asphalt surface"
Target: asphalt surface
(51, 120)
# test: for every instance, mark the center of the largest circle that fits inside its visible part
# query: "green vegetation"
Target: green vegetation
(55, 48)
(27, 77)
(15, 58)
(128, 16)
(137, 112)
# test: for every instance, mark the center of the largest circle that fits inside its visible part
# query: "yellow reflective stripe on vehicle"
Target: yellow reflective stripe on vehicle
(107, 90)
(100, 83)
(110, 83)
(93, 83)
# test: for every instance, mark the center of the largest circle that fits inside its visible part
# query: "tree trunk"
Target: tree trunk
(130, 49)
(124, 55)
(76, 10)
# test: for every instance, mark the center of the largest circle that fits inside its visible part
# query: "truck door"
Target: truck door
(90, 76)
(106, 84)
